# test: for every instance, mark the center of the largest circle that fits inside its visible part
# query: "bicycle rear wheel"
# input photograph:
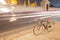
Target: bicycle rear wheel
(37, 29)
(49, 26)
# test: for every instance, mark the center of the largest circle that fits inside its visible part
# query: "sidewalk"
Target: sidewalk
(53, 35)
(20, 8)
(28, 34)
(26, 9)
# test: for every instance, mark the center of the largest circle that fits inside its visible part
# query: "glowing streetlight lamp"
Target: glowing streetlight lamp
(2, 2)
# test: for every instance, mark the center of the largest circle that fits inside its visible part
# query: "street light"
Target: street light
(3, 2)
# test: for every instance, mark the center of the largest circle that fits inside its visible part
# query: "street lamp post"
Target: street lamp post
(24, 2)
(28, 2)
(35, 3)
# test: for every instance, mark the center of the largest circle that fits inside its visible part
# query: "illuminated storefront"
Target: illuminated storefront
(14, 2)
(30, 2)
(33, 2)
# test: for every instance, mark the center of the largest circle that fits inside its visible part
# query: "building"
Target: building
(34, 2)
(9, 2)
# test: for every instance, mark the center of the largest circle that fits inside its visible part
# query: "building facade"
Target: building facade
(13, 2)
(33, 2)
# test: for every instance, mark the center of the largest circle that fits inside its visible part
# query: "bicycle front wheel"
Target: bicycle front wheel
(37, 29)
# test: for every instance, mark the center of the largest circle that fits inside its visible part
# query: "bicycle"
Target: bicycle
(43, 24)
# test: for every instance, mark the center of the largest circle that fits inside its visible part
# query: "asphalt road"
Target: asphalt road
(24, 20)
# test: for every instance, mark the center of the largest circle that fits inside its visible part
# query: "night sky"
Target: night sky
(55, 2)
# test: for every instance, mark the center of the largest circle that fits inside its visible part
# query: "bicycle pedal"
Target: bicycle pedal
(49, 26)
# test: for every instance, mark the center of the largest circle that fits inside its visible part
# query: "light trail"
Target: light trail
(41, 15)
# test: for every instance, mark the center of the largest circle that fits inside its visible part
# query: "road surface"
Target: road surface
(21, 29)
(27, 34)
(11, 22)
